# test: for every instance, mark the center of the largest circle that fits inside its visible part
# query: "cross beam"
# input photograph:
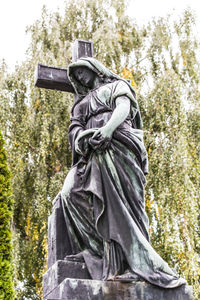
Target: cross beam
(52, 78)
(56, 78)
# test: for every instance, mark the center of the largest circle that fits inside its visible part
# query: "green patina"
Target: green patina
(104, 192)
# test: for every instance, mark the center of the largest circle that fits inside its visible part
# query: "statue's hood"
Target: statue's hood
(97, 67)
(107, 76)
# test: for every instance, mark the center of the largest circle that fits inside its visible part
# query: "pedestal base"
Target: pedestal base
(61, 270)
(82, 289)
(87, 289)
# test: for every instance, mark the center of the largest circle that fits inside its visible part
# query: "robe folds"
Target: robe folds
(103, 194)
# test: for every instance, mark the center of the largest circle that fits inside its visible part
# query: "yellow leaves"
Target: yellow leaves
(45, 251)
(45, 245)
(149, 203)
(184, 57)
(35, 234)
(38, 283)
(158, 211)
(28, 225)
(181, 256)
(21, 165)
(168, 91)
(120, 37)
(58, 168)
(37, 103)
(128, 74)
(133, 83)
(28, 230)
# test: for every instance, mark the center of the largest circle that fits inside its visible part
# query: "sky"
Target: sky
(16, 15)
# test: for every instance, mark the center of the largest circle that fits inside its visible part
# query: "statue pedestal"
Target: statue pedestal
(58, 286)
(67, 280)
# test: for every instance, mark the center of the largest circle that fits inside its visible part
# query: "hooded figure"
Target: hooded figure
(103, 194)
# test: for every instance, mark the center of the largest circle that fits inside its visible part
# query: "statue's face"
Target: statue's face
(85, 76)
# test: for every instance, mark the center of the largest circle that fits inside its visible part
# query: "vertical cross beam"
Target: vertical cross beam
(82, 48)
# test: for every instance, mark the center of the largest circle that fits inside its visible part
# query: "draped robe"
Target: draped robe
(103, 195)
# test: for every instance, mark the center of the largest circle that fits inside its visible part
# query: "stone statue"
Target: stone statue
(103, 194)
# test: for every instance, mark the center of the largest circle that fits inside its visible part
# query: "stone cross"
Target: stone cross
(56, 78)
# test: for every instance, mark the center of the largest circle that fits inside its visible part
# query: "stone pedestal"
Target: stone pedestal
(67, 280)
(87, 289)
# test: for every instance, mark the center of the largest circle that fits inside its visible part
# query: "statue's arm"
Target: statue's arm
(119, 115)
(102, 136)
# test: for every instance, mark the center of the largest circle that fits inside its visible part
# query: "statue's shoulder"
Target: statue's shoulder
(112, 89)
(121, 84)
(112, 86)
(122, 88)
(104, 92)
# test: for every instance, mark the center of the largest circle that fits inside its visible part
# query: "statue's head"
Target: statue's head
(88, 73)
(85, 76)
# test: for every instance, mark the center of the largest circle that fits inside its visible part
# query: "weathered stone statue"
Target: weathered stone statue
(103, 194)
(98, 243)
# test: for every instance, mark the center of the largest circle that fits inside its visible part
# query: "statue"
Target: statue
(103, 194)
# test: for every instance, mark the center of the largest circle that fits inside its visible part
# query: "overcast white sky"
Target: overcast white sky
(15, 15)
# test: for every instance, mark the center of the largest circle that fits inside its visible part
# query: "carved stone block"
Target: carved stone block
(80, 289)
(59, 271)
(58, 241)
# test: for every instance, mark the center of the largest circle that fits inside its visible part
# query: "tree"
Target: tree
(35, 124)
(169, 109)
(6, 207)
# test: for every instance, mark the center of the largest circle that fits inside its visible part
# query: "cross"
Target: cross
(56, 78)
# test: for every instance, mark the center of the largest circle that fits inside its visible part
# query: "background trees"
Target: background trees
(162, 61)
(6, 204)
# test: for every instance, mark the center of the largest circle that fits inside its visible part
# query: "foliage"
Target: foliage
(35, 123)
(171, 115)
(6, 206)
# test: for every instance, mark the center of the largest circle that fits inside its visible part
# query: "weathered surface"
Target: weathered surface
(77, 289)
(82, 48)
(70, 280)
(58, 241)
(61, 270)
(52, 78)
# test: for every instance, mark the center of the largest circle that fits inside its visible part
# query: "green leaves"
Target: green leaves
(6, 203)
(170, 110)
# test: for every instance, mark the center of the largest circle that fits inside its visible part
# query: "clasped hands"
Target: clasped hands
(100, 139)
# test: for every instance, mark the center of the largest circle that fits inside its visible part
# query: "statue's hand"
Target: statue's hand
(104, 132)
(81, 142)
(101, 139)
